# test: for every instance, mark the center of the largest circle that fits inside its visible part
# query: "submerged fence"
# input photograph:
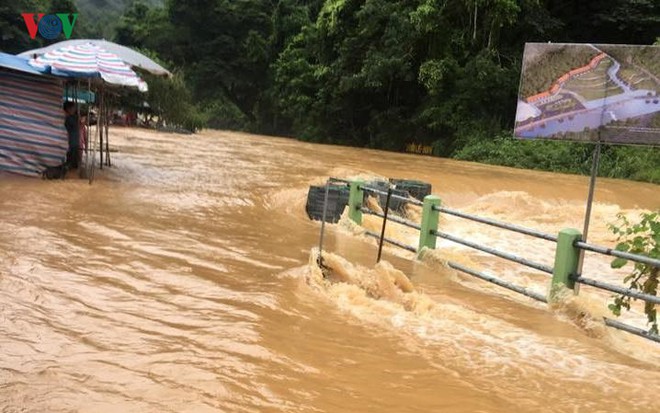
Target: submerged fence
(563, 274)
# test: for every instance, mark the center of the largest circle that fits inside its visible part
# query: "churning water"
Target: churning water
(184, 280)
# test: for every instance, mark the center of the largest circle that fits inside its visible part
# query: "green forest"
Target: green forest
(368, 73)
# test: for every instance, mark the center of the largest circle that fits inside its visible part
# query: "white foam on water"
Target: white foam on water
(500, 356)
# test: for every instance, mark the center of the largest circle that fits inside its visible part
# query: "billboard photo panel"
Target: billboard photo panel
(585, 92)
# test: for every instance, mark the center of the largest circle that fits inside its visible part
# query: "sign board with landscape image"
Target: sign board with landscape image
(584, 92)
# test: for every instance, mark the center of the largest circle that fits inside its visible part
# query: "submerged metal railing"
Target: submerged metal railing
(498, 224)
(500, 282)
(493, 251)
(627, 292)
(564, 272)
(391, 241)
(631, 329)
(394, 218)
(394, 196)
(619, 254)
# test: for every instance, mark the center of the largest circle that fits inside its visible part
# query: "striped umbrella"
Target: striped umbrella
(88, 60)
(127, 55)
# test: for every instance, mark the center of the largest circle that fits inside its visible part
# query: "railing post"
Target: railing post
(567, 257)
(430, 219)
(355, 200)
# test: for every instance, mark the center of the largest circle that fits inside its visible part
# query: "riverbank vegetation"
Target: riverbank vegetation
(630, 162)
(376, 73)
(641, 238)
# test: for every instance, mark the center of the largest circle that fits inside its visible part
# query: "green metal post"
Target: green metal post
(567, 258)
(355, 200)
(430, 219)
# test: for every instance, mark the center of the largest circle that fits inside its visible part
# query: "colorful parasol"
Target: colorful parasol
(89, 61)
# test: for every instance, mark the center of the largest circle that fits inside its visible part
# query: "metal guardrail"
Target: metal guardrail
(498, 281)
(619, 254)
(340, 181)
(477, 274)
(628, 292)
(497, 253)
(394, 196)
(568, 276)
(630, 329)
(396, 219)
(498, 224)
(391, 241)
(415, 201)
(619, 290)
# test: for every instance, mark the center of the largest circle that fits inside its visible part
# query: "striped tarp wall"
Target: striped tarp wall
(32, 133)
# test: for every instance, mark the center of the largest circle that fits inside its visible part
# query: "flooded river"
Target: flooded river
(179, 282)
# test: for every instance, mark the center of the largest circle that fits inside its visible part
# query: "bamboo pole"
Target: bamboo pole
(101, 122)
(107, 136)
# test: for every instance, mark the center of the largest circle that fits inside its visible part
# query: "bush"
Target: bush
(221, 114)
(171, 100)
(636, 163)
(642, 238)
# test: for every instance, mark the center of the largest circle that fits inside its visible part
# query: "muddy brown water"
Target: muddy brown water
(179, 282)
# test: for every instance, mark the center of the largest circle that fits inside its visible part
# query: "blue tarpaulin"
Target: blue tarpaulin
(20, 64)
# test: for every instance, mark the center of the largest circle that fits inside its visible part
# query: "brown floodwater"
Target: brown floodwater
(179, 281)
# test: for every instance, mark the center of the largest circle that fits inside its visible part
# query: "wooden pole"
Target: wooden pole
(382, 230)
(107, 136)
(101, 122)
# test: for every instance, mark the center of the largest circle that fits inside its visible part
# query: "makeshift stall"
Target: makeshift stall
(92, 68)
(32, 134)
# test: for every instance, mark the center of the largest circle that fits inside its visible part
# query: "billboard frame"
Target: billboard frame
(534, 111)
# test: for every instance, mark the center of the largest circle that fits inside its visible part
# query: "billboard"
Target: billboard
(585, 92)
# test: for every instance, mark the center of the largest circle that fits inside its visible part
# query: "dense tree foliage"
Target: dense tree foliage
(101, 16)
(371, 73)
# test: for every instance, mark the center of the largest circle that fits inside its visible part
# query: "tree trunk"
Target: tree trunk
(474, 33)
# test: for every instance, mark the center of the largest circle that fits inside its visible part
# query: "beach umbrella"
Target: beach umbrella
(100, 68)
(89, 61)
(127, 55)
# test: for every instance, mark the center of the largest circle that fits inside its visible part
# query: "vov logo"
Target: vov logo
(50, 26)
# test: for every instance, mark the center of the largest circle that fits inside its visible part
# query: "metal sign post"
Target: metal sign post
(590, 200)
(595, 164)
(592, 187)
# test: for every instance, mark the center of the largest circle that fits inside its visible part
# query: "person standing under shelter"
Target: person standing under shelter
(73, 130)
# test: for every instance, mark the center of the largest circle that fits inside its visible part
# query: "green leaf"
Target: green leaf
(618, 263)
(622, 246)
(615, 309)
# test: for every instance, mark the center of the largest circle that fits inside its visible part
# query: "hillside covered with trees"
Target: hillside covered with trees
(375, 73)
